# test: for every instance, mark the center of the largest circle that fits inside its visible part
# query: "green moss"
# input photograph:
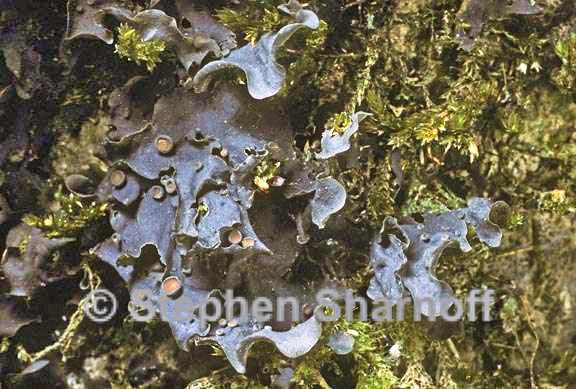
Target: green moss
(202, 209)
(70, 215)
(131, 46)
(372, 363)
(565, 77)
(223, 381)
(253, 20)
(373, 366)
(76, 154)
(264, 174)
(421, 199)
(23, 355)
(338, 122)
(556, 201)
(516, 220)
(304, 60)
(4, 344)
(380, 194)
(23, 245)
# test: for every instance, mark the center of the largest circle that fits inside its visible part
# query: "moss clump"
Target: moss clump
(4, 345)
(565, 77)
(265, 172)
(69, 217)
(555, 201)
(76, 153)
(421, 200)
(375, 362)
(202, 209)
(131, 46)
(244, 22)
(373, 367)
(23, 245)
(338, 123)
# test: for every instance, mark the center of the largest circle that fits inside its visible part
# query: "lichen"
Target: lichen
(468, 99)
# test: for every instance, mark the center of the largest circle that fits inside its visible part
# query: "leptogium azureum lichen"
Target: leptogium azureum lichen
(274, 149)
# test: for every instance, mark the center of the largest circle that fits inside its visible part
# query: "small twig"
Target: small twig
(453, 349)
(530, 322)
(500, 345)
(520, 250)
